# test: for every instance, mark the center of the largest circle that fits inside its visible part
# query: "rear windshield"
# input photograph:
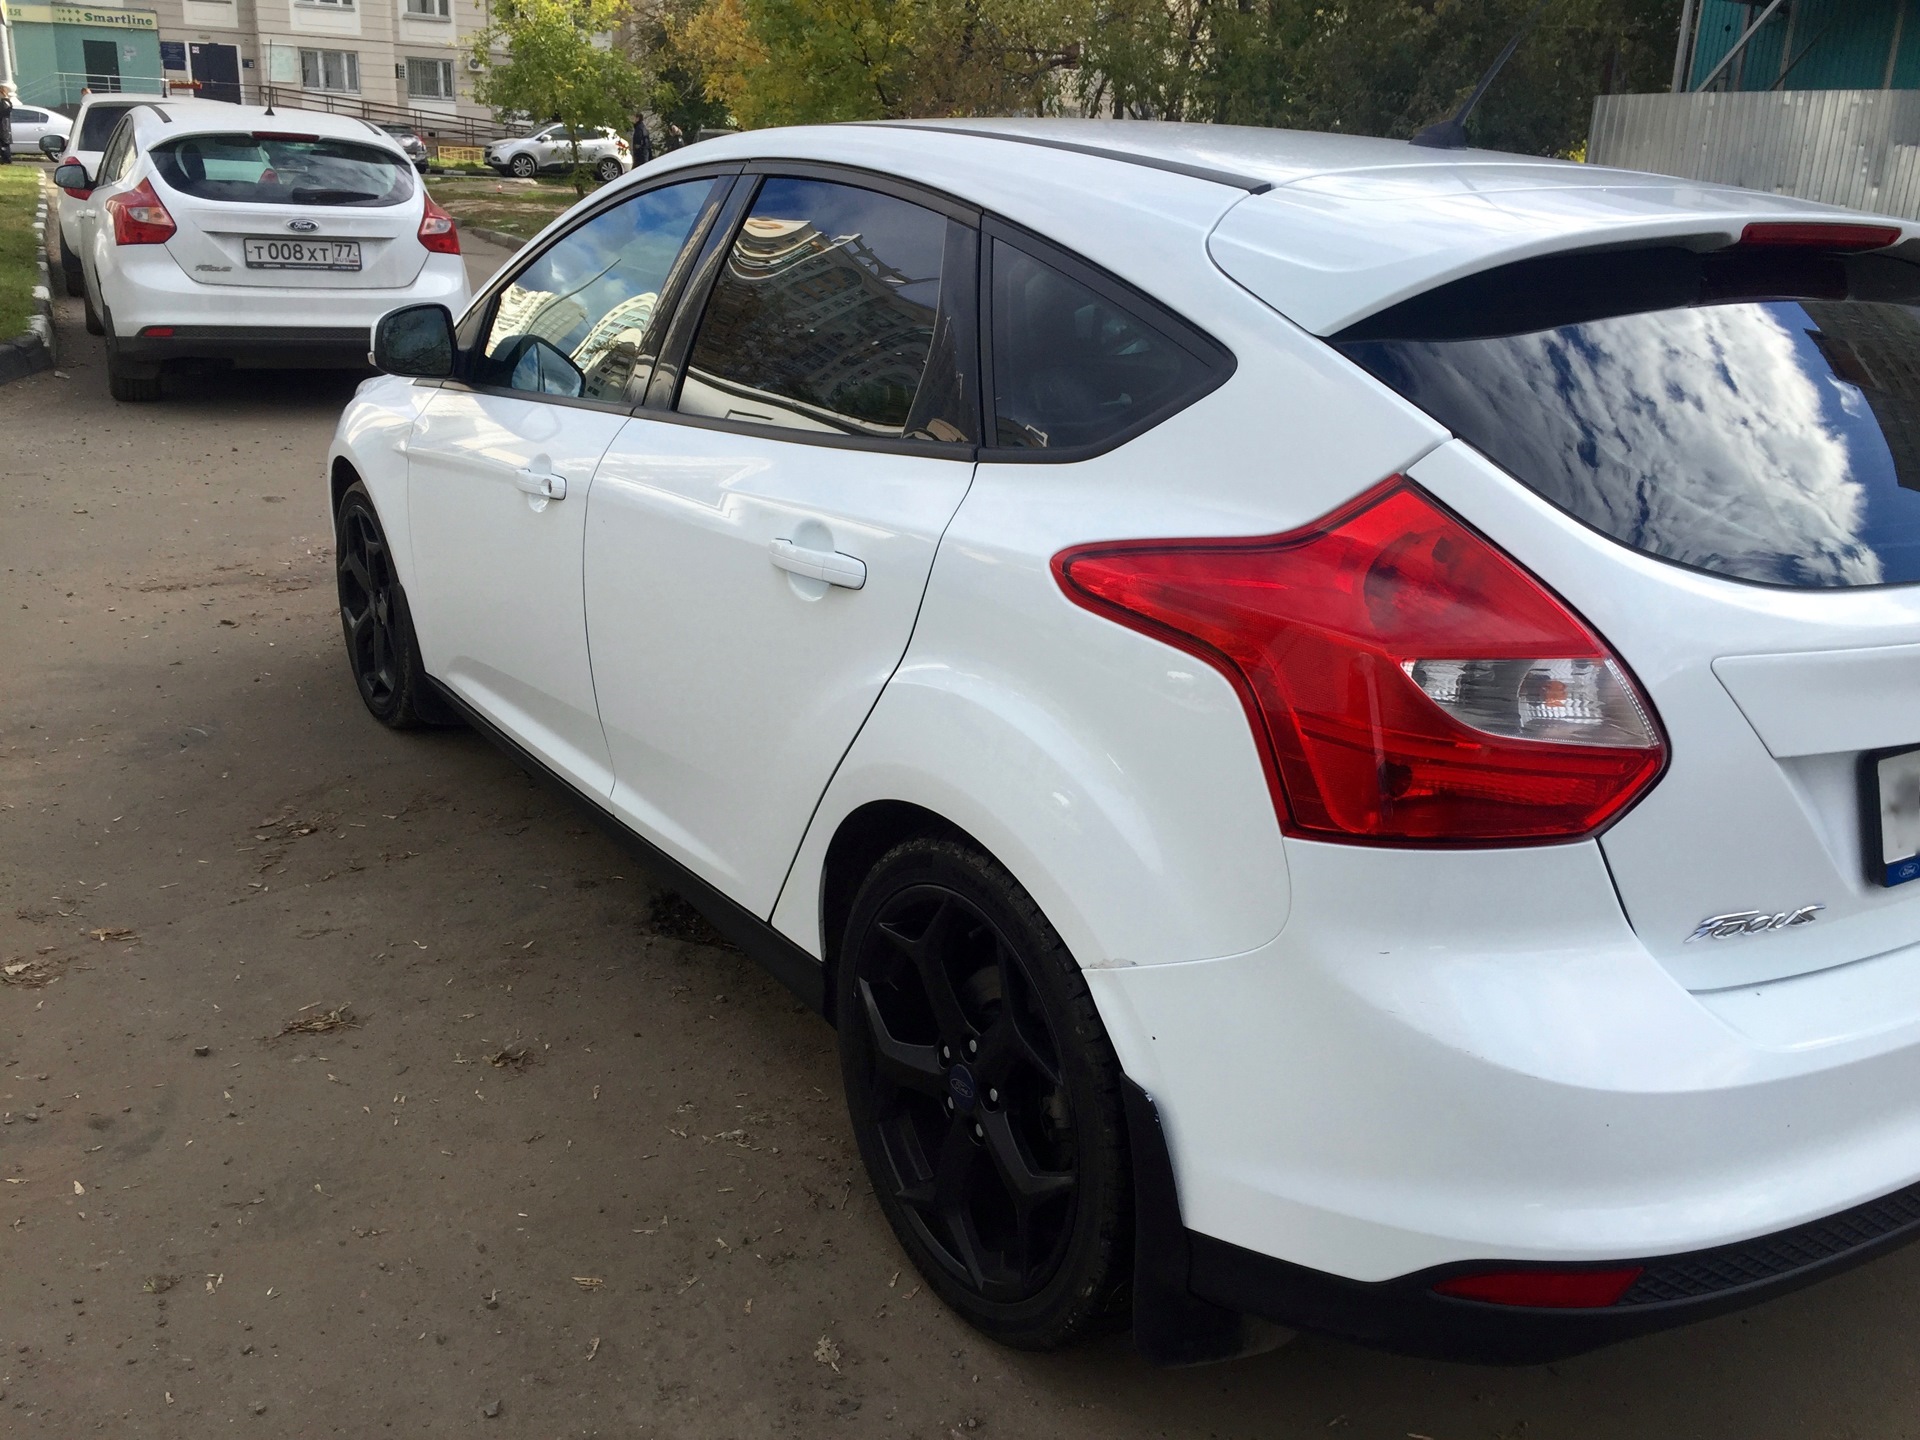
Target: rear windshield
(1751, 414)
(97, 128)
(278, 170)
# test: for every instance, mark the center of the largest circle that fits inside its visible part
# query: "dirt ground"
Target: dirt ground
(563, 1168)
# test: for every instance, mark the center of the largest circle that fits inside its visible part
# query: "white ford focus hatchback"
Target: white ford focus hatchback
(254, 236)
(1336, 726)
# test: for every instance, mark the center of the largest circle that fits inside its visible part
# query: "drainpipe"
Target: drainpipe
(1893, 50)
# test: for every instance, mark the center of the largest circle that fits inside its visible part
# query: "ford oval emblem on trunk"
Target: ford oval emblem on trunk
(303, 226)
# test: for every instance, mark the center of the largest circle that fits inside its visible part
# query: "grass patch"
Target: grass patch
(513, 206)
(19, 193)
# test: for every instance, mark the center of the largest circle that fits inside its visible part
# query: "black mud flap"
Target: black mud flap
(1172, 1325)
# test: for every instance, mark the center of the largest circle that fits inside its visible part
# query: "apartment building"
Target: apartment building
(377, 57)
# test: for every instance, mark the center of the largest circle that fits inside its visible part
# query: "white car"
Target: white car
(602, 151)
(87, 137)
(1360, 774)
(231, 233)
(31, 125)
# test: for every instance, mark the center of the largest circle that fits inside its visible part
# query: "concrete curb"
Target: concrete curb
(32, 349)
(494, 237)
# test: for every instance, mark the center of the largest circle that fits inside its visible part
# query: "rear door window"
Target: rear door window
(1751, 415)
(1075, 365)
(284, 170)
(836, 313)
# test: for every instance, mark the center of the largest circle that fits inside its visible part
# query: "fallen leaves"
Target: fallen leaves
(588, 1282)
(29, 974)
(158, 1284)
(114, 932)
(514, 1058)
(826, 1352)
(341, 1017)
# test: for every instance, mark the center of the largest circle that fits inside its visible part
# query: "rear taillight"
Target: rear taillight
(1407, 682)
(139, 218)
(437, 230)
(1545, 1289)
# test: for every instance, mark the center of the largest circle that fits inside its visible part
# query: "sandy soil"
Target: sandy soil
(570, 1170)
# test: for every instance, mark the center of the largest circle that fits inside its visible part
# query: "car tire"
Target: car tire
(522, 167)
(985, 1097)
(94, 325)
(70, 271)
(609, 170)
(382, 650)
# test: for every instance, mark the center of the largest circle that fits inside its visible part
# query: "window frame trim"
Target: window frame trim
(663, 391)
(1220, 362)
(482, 310)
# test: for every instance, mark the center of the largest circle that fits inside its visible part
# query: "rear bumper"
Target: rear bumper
(322, 347)
(1408, 1316)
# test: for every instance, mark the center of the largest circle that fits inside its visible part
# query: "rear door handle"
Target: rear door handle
(546, 487)
(829, 565)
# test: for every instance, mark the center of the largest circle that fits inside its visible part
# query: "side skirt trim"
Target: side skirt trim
(789, 964)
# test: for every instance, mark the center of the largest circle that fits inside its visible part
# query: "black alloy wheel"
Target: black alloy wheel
(381, 648)
(985, 1096)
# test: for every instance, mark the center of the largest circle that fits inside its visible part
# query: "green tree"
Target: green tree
(561, 66)
(775, 62)
(1377, 67)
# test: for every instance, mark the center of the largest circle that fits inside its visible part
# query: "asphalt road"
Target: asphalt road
(570, 1164)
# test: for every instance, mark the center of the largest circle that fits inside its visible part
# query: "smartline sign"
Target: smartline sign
(102, 19)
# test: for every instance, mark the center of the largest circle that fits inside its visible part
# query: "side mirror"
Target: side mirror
(51, 145)
(72, 177)
(415, 340)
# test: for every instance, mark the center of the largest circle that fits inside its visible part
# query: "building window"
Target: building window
(428, 9)
(429, 79)
(330, 70)
(336, 4)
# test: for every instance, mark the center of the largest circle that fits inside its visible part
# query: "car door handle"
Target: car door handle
(828, 565)
(547, 487)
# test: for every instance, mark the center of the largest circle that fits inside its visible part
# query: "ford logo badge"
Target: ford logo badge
(303, 226)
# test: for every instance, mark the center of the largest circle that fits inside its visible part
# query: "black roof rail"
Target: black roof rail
(1249, 183)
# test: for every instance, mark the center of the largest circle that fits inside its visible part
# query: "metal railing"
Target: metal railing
(431, 124)
(65, 88)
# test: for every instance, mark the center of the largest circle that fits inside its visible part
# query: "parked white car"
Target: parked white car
(253, 236)
(548, 149)
(87, 140)
(32, 124)
(1364, 775)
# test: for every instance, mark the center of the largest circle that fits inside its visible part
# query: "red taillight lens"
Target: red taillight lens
(139, 218)
(1407, 682)
(1819, 235)
(1544, 1289)
(437, 230)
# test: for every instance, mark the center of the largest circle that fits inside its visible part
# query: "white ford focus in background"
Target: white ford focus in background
(253, 236)
(1335, 725)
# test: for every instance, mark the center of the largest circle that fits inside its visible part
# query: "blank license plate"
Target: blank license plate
(1893, 795)
(278, 254)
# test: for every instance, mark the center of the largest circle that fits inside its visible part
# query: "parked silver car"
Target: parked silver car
(549, 149)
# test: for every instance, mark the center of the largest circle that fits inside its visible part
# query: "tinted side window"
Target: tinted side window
(1073, 367)
(831, 315)
(578, 321)
(117, 160)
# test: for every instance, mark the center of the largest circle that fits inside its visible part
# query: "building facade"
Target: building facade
(390, 60)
